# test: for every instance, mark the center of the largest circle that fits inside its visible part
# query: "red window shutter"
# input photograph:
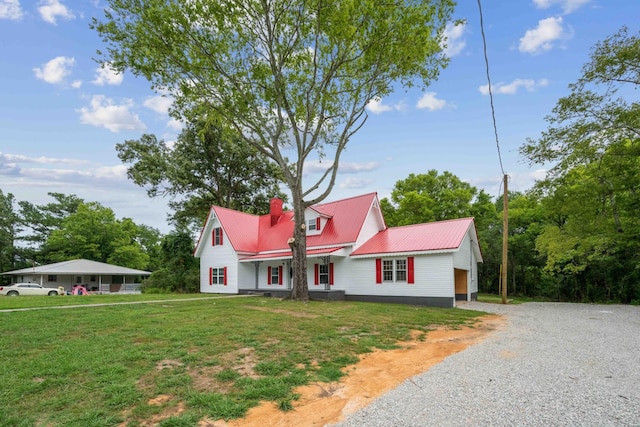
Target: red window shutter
(331, 273)
(280, 275)
(316, 275)
(378, 270)
(213, 237)
(318, 223)
(221, 234)
(410, 275)
(210, 276)
(268, 275)
(225, 276)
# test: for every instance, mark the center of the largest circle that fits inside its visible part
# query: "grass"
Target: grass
(216, 358)
(58, 301)
(497, 299)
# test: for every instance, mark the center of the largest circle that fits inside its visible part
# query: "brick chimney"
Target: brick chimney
(275, 210)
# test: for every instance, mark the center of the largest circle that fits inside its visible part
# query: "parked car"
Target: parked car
(27, 289)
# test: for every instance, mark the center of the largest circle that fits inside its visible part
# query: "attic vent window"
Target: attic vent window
(216, 236)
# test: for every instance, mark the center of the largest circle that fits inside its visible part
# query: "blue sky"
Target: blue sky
(61, 116)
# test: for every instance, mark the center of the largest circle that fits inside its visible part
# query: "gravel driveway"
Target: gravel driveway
(555, 364)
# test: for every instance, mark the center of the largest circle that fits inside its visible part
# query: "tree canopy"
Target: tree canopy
(205, 166)
(291, 78)
(430, 197)
(591, 193)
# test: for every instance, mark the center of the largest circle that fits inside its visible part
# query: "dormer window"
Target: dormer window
(313, 225)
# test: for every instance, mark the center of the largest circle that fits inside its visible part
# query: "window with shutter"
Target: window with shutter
(398, 270)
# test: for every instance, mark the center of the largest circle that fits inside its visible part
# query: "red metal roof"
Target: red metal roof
(252, 233)
(241, 228)
(432, 236)
(287, 254)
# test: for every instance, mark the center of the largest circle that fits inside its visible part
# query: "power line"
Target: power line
(493, 111)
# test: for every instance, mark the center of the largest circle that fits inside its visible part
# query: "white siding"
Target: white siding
(433, 278)
(370, 227)
(218, 257)
(247, 275)
(465, 259)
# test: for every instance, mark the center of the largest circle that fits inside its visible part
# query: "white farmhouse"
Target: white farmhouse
(351, 254)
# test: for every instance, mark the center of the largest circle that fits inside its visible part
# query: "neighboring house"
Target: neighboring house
(351, 254)
(94, 275)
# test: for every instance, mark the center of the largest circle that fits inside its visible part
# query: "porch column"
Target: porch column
(257, 270)
(289, 274)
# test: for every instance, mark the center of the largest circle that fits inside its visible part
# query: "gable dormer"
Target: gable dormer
(314, 221)
(314, 225)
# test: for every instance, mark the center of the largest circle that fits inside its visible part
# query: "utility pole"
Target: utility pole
(505, 239)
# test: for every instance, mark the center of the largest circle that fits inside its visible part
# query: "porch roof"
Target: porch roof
(287, 254)
(80, 266)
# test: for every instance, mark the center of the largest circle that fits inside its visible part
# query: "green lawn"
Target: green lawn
(495, 298)
(100, 366)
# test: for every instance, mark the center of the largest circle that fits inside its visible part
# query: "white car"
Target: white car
(27, 289)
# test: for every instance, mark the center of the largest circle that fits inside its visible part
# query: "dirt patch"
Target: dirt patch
(168, 364)
(281, 311)
(375, 374)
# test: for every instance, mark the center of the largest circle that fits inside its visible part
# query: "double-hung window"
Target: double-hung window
(395, 270)
(274, 275)
(218, 276)
(323, 274)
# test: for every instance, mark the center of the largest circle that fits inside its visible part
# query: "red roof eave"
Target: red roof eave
(287, 254)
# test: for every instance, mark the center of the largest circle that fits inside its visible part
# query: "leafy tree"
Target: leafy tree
(591, 197)
(93, 232)
(526, 221)
(206, 166)
(9, 230)
(292, 78)
(179, 271)
(431, 197)
(39, 221)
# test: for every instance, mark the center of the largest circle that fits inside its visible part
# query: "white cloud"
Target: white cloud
(377, 107)
(104, 113)
(55, 70)
(355, 182)
(317, 166)
(175, 124)
(542, 38)
(160, 103)
(453, 39)
(76, 84)
(511, 88)
(568, 6)
(346, 167)
(107, 76)
(50, 10)
(10, 9)
(430, 102)
(19, 158)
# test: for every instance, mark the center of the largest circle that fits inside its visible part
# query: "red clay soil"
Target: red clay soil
(375, 374)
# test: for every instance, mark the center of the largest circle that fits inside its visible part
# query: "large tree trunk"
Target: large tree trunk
(299, 251)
